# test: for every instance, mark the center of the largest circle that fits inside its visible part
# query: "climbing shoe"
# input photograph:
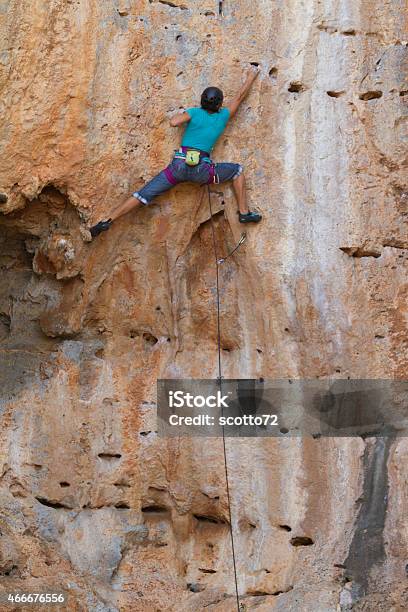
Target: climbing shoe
(250, 217)
(102, 226)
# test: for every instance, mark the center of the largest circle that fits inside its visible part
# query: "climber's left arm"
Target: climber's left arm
(179, 119)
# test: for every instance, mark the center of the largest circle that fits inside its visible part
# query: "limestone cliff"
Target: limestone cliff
(92, 500)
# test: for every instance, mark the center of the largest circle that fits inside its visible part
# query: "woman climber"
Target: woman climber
(192, 161)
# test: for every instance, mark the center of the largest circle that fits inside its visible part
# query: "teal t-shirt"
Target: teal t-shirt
(204, 129)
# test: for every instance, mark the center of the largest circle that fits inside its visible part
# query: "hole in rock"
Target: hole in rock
(220, 8)
(335, 94)
(64, 484)
(3, 198)
(144, 433)
(403, 92)
(205, 518)
(276, 593)
(50, 209)
(261, 379)
(273, 73)
(50, 504)
(326, 28)
(159, 489)
(109, 456)
(213, 497)
(209, 14)
(371, 95)
(150, 339)
(178, 37)
(171, 4)
(154, 509)
(122, 506)
(158, 307)
(340, 565)
(360, 252)
(259, 351)
(254, 64)
(10, 571)
(350, 32)
(194, 587)
(283, 430)
(207, 571)
(285, 527)
(296, 87)
(301, 541)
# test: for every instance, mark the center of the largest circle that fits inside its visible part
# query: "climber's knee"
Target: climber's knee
(227, 171)
(238, 173)
(141, 199)
(158, 185)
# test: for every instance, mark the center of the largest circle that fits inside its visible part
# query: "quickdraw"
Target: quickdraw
(241, 241)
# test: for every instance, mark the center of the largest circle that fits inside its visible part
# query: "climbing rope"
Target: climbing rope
(217, 263)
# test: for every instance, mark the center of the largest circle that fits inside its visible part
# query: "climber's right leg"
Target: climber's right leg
(245, 215)
(161, 183)
(226, 172)
(239, 187)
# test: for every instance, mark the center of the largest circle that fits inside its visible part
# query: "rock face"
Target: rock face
(92, 501)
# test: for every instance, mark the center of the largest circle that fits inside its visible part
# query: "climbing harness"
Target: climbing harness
(193, 157)
(217, 263)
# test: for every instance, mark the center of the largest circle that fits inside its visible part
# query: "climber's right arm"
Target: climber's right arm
(234, 105)
(179, 119)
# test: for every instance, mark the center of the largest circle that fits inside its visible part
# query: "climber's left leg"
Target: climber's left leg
(161, 183)
(125, 207)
